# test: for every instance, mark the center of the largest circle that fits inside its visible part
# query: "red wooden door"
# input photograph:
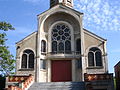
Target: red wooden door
(61, 70)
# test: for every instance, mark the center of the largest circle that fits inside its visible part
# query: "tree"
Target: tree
(2, 82)
(7, 62)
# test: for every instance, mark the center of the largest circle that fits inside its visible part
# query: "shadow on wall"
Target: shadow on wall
(2, 82)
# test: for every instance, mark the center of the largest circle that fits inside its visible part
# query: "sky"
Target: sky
(101, 17)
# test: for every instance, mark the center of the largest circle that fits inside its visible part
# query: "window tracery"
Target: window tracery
(61, 39)
(94, 57)
(27, 59)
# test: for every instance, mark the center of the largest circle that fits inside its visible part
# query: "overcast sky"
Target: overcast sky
(100, 16)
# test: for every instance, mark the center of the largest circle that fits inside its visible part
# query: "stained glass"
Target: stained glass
(61, 37)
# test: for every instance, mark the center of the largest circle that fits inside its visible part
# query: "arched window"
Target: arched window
(78, 45)
(61, 47)
(54, 46)
(61, 39)
(91, 59)
(43, 46)
(94, 57)
(67, 46)
(27, 59)
(98, 58)
(24, 61)
(31, 60)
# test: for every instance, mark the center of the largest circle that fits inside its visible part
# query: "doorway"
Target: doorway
(61, 70)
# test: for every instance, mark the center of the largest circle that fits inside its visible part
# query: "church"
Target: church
(61, 50)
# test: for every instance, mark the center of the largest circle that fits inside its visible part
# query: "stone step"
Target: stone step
(58, 86)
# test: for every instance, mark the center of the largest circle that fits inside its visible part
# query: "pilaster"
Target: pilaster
(49, 71)
(73, 70)
(82, 46)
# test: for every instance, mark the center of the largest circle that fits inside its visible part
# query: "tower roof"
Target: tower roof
(68, 3)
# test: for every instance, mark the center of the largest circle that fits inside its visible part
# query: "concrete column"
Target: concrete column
(82, 47)
(49, 71)
(38, 51)
(73, 70)
(106, 59)
(37, 69)
(18, 65)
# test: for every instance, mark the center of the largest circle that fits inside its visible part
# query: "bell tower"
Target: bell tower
(68, 3)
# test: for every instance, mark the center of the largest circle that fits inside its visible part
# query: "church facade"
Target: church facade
(61, 50)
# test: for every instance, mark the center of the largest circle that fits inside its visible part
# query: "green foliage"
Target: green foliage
(6, 26)
(7, 62)
(2, 39)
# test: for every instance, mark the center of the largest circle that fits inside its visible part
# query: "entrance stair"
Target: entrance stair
(58, 86)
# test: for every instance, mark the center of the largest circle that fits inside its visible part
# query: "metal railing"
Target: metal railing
(20, 82)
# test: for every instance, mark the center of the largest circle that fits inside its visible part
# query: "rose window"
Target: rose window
(61, 39)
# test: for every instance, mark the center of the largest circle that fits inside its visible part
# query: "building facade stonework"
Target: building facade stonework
(117, 75)
(61, 50)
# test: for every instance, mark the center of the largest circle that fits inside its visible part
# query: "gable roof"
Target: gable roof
(117, 65)
(94, 35)
(60, 6)
(26, 37)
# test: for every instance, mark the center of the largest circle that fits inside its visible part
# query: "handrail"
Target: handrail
(93, 77)
(24, 84)
(28, 82)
